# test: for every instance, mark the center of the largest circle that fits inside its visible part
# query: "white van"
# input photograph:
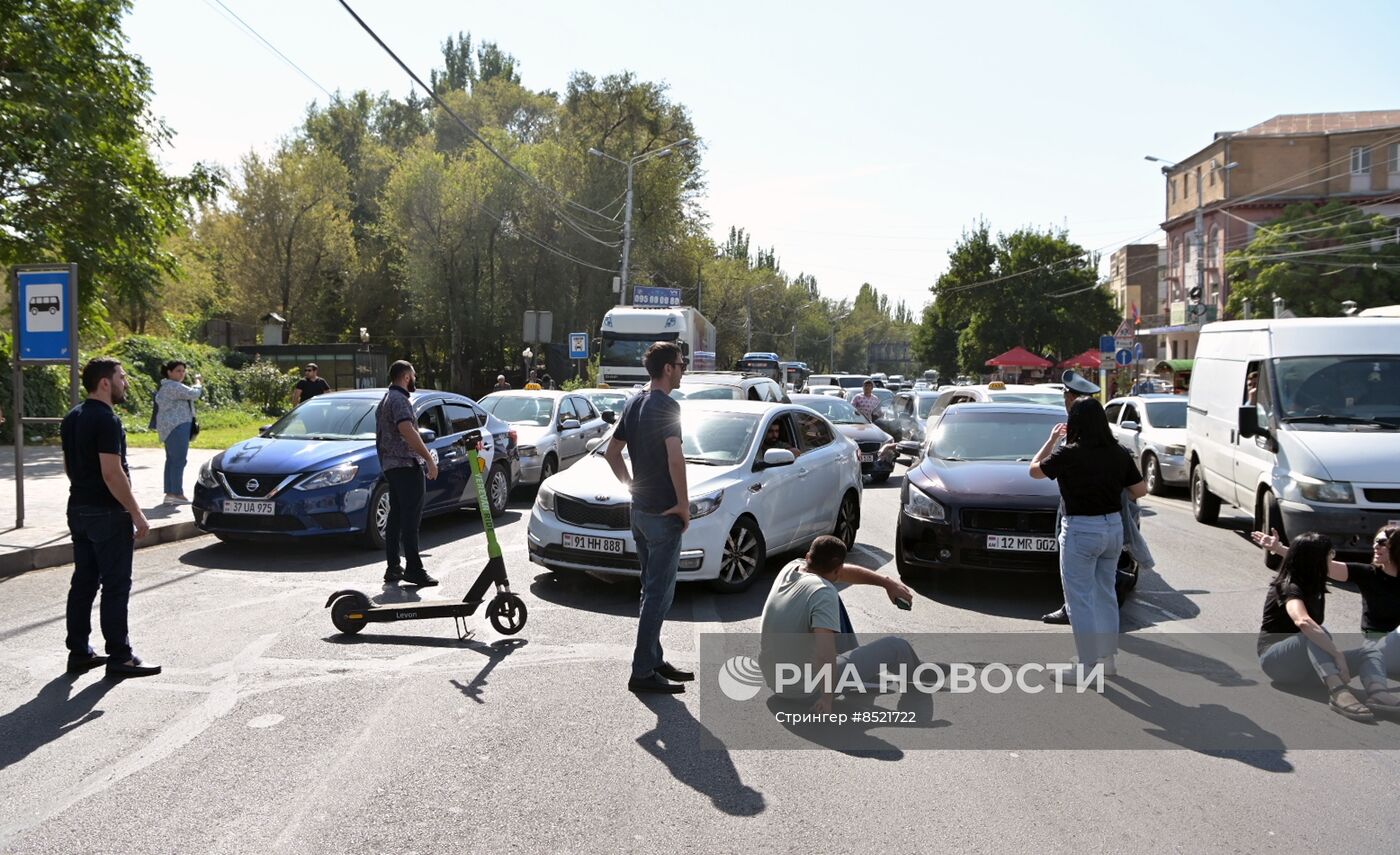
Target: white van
(1317, 446)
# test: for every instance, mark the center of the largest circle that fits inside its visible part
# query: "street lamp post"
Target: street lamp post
(631, 164)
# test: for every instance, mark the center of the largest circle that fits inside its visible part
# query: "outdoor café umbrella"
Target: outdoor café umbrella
(1089, 359)
(1019, 357)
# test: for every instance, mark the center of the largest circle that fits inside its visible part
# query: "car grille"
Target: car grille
(1007, 560)
(590, 559)
(252, 522)
(239, 484)
(1383, 497)
(612, 517)
(1009, 521)
(869, 447)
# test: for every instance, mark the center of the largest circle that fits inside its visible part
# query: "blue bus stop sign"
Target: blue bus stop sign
(46, 312)
(1107, 344)
(578, 345)
(1124, 356)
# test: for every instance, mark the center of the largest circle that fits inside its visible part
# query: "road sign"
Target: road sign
(1138, 352)
(1106, 344)
(47, 313)
(539, 326)
(578, 345)
(645, 295)
(1124, 356)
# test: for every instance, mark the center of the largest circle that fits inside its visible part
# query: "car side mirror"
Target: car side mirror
(427, 435)
(569, 424)
(1133, 426)
(1249, 421)
(592, 444)
(262, 430)
(609, 416)
(777, 457)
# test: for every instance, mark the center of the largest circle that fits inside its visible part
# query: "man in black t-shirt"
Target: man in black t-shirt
(650, 429)
(311, 385)
(105, 522)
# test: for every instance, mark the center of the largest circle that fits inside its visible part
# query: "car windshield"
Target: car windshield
(836, 410)
(705, 392)
(327, 418)
(612, 401)
(712, 439)
(971, 433)
(1028, 397)
(926, 405)
(1167, 414)
(520, 409)
(616, 351)
(1338, 392)
(850, 382)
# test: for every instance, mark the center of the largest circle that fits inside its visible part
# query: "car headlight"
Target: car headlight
(702, 506)
(206, 475)
(545, 497)
(1175, 450)
(526, 450)
(922, 506)
(332, 477)
(1315, 490)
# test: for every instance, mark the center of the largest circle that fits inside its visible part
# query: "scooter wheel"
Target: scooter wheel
(507, 613)
(348, 614)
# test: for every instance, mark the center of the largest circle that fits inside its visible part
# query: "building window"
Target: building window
(1394, 167)
(1171, 191)
(1213, 248)
(1198, 182)
(1360, 161)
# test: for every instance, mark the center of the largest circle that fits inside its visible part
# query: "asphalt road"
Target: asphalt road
(267, 732)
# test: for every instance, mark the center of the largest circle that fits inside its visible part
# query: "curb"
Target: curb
(54, 555)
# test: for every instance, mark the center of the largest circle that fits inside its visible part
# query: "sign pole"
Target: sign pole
(17, 410)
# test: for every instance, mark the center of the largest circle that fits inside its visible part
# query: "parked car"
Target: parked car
(845, 381)
(834, 391)
(554, 428)
(745, 501)
(999, 392)
(729, 385)
(858, 429)
(605, 400)
(1153, 429)
(1317, 448)
(911, 414)
(971, 503)
(315, 471)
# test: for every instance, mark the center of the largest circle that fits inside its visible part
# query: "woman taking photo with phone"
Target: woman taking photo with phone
(176, 425)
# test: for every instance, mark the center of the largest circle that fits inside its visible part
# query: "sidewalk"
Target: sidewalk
(44, 541)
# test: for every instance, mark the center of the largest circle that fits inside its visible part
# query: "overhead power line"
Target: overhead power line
(248, 28)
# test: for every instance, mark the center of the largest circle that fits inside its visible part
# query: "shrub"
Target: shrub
(45, 395)
(142, 356)
(261, 385)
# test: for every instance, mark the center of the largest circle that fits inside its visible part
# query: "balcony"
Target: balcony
(1181, 316)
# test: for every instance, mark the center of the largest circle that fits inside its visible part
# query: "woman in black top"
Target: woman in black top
(1294, 646)
(1379, 583)
(1092, 471)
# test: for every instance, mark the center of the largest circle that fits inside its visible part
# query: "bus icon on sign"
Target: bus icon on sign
(52, 305)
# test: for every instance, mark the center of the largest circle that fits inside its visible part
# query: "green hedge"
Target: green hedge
(45, 395)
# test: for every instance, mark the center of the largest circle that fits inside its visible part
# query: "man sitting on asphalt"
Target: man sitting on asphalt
(802, 618)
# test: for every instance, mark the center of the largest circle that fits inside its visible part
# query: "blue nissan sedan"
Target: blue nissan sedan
(315, 472)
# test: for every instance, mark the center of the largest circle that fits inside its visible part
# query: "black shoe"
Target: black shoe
(671, 672)
(421, 579)
(393, 575)
(654, 683)
(1058, 616)
(85, 663)
(132, 668)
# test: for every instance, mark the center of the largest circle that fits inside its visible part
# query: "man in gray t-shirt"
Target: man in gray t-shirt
(401, 455)
(802, 618)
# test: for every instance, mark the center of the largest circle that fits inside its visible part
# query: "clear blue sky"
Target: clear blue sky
(857, 141)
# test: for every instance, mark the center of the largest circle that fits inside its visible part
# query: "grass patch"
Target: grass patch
(218, 429)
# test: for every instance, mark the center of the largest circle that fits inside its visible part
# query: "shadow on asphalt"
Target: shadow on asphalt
(52, 713)
(322, 554)
(1025, 596)
(495, 652)
(694, 757)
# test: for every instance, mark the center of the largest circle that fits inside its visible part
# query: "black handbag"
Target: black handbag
(194, 423)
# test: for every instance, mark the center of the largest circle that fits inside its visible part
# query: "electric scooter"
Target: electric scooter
(351, 610)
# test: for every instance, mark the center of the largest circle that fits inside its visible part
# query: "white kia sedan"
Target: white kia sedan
(763, 478)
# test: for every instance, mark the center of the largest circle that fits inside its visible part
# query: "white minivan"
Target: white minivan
(1297, 422)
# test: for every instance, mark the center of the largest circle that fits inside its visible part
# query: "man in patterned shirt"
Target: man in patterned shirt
(401, 454)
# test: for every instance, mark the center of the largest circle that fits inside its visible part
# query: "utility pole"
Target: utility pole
(626, 234)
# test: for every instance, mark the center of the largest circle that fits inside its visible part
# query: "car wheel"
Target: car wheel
(1152, 473)
(1268, 517)
(742, 558)
(377, 517)
(548, 468)
(1127, 578)
(498, 489)
(1205, 505)
(848, 520)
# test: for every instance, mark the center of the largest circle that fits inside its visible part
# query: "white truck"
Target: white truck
(628, 331)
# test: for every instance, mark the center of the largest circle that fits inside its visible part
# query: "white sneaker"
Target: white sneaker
(176, 500)
(1110, 666)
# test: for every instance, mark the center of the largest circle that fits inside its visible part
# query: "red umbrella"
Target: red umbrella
(1019, 357)
(1088, 359)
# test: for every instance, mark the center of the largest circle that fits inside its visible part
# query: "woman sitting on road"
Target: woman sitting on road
(1379, 582)
(1092, 471)
(1294, 646)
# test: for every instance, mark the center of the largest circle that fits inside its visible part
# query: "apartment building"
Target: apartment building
(1134, 272)
(1219, 195)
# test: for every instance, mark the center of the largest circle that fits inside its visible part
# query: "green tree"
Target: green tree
(1315, 258)
(78, 181)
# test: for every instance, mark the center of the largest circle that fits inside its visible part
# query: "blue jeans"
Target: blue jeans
(658, 540)
(1383, 659)
(1298, 659)
(1089, 550)
(103, 542)
(177, 451)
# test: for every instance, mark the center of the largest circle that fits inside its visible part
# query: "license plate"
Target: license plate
(1022, 543)
(589, 543)
(243, 506)
(867, 458)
